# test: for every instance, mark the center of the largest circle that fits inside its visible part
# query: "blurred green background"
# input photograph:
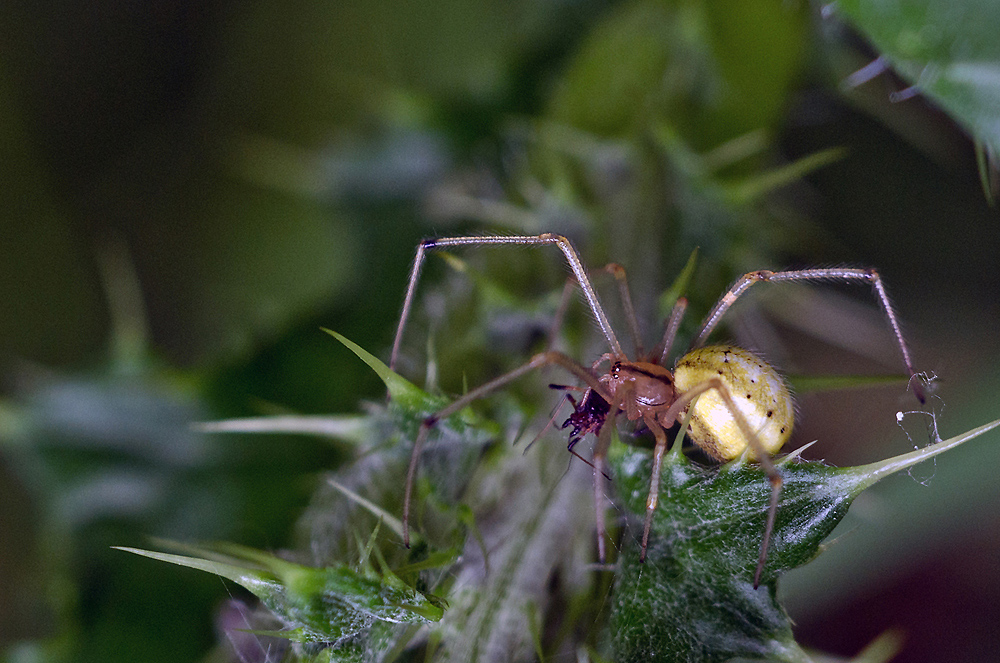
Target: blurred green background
(190, 190)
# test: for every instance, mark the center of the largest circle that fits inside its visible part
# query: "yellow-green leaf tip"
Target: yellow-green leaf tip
(399, 388)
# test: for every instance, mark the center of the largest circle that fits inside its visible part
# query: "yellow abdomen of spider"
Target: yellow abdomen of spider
(757, 390)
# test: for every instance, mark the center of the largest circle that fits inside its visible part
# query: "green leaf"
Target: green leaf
(989, 171)
(618, 70)
(347, 428)
(400, 389)
(678, 287)
(948, 49)
(804, 384)
(394, 523)
(693, 599)
(869, 474)
(336, 605)
(700, 66)
(489, 290)
(750, 189)
(412, 403)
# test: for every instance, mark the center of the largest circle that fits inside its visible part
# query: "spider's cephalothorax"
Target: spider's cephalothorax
(642, 388)
(738, 403)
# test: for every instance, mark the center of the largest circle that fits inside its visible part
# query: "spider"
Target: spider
(734, 401)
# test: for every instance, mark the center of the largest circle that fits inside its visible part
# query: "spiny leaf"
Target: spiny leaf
(679, 286)
(406, 399)
(693, 599)
(412, 404)
(753, 188)
(348, 428)
(948, 49)
(867, 475)
(260, 583)
(988, 165)
(394, 523)
(400, 389)
(335, 605)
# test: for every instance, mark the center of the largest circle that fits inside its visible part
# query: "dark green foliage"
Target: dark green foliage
(205, 189)
(342, 608)
(693, 598)
(947, 50)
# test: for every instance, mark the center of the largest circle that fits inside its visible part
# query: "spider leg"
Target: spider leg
(654, 482)
(552, 417)
(819, 274)
(538, 361)
(624, 293)
(600, 498)
(670, 330)
(763, 457)
(564, 245)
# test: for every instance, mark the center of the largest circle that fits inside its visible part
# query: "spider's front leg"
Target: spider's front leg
(563, 244)
(538, 361)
